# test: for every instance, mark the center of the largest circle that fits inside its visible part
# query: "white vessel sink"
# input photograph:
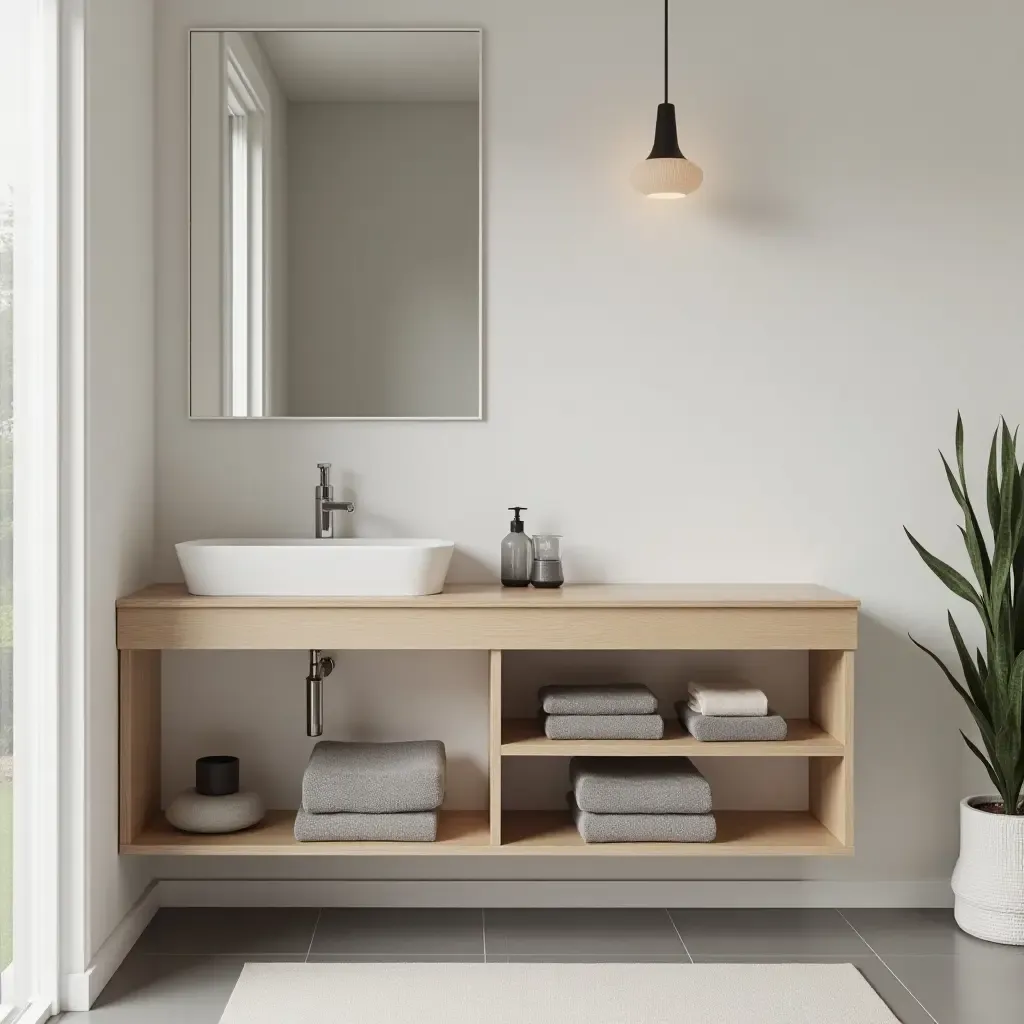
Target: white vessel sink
(346, 567)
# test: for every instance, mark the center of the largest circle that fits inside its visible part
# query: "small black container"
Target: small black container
(217, 775)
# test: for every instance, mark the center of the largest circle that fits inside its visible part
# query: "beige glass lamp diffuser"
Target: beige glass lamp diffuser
(666, 173)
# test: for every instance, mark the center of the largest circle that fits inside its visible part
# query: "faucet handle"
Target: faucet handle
(325, 473)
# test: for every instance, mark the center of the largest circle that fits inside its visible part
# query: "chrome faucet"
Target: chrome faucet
(326, 506)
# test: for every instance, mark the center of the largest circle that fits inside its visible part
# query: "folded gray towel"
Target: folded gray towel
(374, 778)
(732, 728)
(644, 828)
(417, 827)
(604, 727)
(639, 785)
(599, 699)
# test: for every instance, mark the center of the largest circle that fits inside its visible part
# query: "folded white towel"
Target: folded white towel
(724, 702)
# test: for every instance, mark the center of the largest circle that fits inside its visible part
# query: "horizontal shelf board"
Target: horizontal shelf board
(525, 833)
(457, 832)
(740, 834)
(524, 737)
(520, 628)
(482, 595)
(582, 617)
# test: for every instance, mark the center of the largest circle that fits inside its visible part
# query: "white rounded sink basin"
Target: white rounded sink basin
(307, 567)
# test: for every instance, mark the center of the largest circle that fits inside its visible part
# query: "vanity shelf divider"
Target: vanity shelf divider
(691, 617)
(140, 742)
(494, 747)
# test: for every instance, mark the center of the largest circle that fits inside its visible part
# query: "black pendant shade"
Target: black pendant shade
(666, 173)
(666, 140)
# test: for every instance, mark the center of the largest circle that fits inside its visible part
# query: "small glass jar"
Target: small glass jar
(546, 571)
(546, 546)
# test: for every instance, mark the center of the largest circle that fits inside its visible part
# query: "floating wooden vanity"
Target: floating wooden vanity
(584, 618)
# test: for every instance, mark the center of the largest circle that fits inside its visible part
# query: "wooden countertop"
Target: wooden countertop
(488, 595)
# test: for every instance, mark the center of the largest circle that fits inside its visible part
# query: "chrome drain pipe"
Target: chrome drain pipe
(319, 669)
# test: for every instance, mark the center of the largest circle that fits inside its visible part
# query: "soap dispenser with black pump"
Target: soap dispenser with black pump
(516, 554)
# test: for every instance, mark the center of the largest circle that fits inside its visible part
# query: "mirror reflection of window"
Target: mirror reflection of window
(335, 224)
(244, 314)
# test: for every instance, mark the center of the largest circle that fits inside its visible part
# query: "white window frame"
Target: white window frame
(245, 215)
(34, 975)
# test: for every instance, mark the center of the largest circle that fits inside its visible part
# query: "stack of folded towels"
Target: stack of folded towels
(372, 792)
(622, 711)
(640, 800)
(729, 714)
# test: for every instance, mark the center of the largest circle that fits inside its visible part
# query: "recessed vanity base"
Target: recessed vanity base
(784, 617)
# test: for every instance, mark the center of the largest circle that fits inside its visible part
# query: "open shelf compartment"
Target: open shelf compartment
(740, 834)
(457, 832)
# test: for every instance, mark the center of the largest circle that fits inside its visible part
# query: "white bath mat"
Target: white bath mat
(532, 993)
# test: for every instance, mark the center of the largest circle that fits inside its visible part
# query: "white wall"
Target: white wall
(384, 240)
(747, 385)
(120, 452)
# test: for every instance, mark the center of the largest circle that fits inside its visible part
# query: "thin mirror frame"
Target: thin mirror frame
(481, 369)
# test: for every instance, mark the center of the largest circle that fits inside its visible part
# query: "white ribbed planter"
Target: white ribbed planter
(988, 880)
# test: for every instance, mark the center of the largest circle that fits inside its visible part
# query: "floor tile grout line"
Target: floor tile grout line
(885, 965)
(671, 921)
(313, 936)
(854, 930)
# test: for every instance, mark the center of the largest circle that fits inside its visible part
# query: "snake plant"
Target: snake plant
(993, 681)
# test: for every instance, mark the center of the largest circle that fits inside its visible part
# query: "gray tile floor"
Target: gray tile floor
(186, 964)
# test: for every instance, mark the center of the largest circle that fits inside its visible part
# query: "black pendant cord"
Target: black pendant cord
(666, 142)
(666, 51)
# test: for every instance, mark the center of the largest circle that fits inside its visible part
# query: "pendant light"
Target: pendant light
(666, 173)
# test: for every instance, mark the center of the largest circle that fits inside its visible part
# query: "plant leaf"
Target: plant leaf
(952, 579)
(1018, 782)
(1018, 615)
(1018, 588)
(975, 682)
(978, 557)
(953, 485)
(1019, 551)
(1008, 734)
(976, 547)
(992, 493)
(992, 774)
(971, 533)
(1000, 612)
(1004, 549)
(1018, 495)
(984, 725)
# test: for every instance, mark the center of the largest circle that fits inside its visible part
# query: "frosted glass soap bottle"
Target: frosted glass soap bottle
(516, 553)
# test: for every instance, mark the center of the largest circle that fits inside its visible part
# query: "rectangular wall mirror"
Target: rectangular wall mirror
(335, 228)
